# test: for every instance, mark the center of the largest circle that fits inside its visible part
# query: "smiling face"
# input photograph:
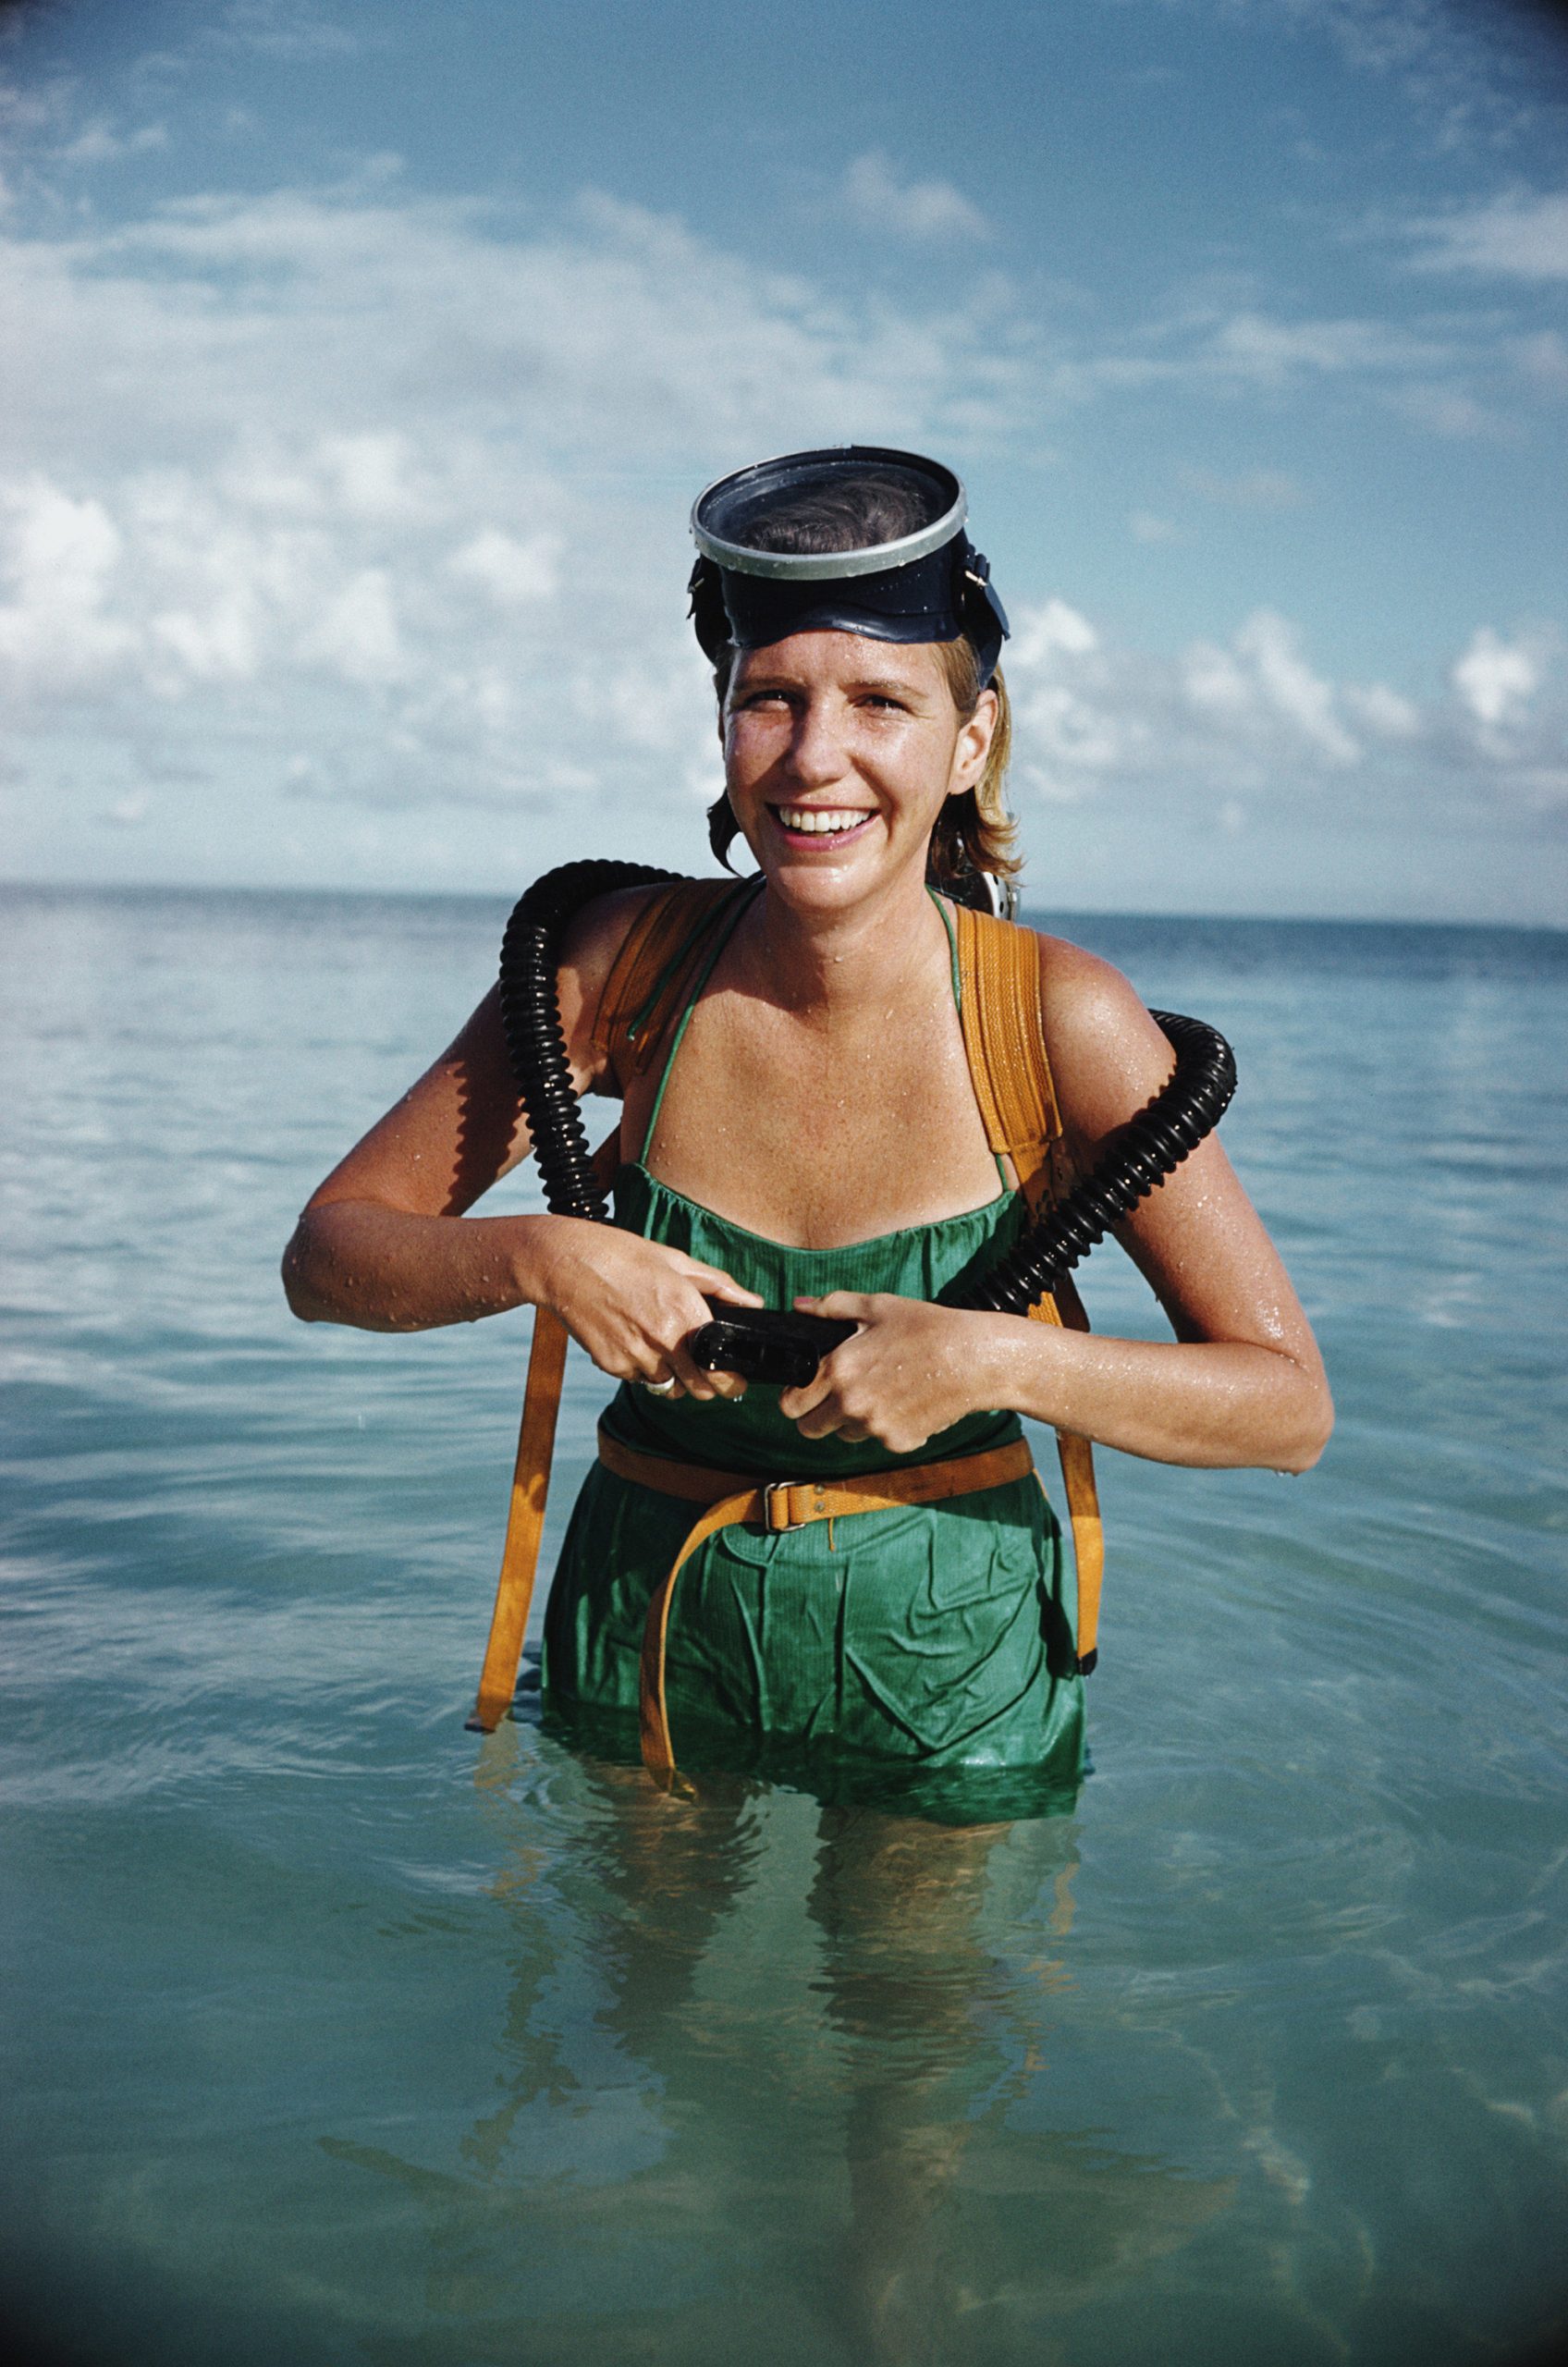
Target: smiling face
(840, 753)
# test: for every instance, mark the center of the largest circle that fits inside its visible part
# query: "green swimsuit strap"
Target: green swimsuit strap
(724, 927)
(952, 945)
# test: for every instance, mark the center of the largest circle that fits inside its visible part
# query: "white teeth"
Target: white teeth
(820, 821)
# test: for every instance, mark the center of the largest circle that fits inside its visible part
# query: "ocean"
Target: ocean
(337, 2033)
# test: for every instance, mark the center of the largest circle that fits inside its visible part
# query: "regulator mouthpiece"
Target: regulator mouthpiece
(855, 538)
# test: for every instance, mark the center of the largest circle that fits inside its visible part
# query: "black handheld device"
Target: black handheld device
(765, 1343)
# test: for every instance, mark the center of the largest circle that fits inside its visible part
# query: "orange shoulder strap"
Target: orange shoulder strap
(653, 966)
(525, 1509)
(998, 966)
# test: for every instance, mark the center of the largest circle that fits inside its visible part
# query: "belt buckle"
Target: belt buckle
(779, 1516)
(776, 1515)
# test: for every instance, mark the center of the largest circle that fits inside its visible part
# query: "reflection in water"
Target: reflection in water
(759, 2077)
(906, 1976)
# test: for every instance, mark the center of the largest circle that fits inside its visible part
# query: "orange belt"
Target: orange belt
(730, 1497)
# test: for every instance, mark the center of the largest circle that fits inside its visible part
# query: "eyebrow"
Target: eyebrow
(899, 684)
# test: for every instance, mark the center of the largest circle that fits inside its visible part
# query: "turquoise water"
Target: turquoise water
(336, 2034)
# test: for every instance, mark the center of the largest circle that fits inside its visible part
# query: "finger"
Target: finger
(796, 1403)
(694, 1381)
(852, 1307)
(716, 1381)
(714, 1283)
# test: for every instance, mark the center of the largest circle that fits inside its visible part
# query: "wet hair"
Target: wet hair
(846, 514)
(974, 830)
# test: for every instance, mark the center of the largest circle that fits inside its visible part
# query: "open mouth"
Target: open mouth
(821, 823)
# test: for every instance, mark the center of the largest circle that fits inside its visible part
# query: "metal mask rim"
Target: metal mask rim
(827, 567)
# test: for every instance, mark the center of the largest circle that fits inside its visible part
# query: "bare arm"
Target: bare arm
(384, 1242)
(1241, 1383)
(376, 1245)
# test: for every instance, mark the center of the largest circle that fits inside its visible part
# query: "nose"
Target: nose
(817, 746)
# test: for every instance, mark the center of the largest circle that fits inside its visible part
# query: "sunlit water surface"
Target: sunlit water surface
(337, 2034)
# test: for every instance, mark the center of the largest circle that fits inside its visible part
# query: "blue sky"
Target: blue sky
(363, 360)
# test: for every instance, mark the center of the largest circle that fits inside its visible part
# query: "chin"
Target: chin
(831, 875)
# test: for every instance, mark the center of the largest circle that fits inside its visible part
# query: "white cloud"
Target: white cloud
(922, 211)
(1467, 86)
(292, 29)
(35, 107)
(1520, 234)
(1252, 352)
(1231, 729)
(1263, 489)
(60, 559)
(1252, 345)
(512, 572)
(1147, 526)
(374, 475)
(1288, 685)
(1041, 632)
(1262, 681)
(129, 812)
(327, 473)
(1449, 410)
(358, 636)
(1496, 679)
(98, 143)
(1383, 712)
(1543, 359)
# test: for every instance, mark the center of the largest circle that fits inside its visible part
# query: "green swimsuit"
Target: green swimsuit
(928, 1640)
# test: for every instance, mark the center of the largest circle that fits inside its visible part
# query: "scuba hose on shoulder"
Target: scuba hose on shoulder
(530, 1020)
(1150, 1147)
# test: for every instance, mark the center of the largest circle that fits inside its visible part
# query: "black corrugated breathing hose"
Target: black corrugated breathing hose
(1189, 1106)
(530, 1019)
(1148, 1148)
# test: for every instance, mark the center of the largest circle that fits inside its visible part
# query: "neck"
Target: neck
(860, 959)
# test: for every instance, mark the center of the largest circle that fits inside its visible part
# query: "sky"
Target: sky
(363, 358)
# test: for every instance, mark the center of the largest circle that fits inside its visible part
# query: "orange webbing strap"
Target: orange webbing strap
(652, 1708)
(1004, 1036)
(998, 966)
(654, 964)
(525, 1522)
(1076, 1457)
(530, 1486)
(729, 1496)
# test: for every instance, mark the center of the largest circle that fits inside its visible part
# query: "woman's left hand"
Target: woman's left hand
(911, 1370)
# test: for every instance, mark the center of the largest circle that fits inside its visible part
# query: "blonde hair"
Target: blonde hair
(974, 830)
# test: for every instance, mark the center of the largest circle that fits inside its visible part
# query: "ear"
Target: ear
(723, 828)
(974, 743)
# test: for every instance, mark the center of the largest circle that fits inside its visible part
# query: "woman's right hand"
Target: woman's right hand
(632, 1303)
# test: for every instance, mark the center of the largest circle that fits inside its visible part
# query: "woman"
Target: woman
(808, 1133)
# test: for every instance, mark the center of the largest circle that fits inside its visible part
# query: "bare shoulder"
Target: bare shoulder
(597, 932)
(589, 949)
(1108, 1057)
